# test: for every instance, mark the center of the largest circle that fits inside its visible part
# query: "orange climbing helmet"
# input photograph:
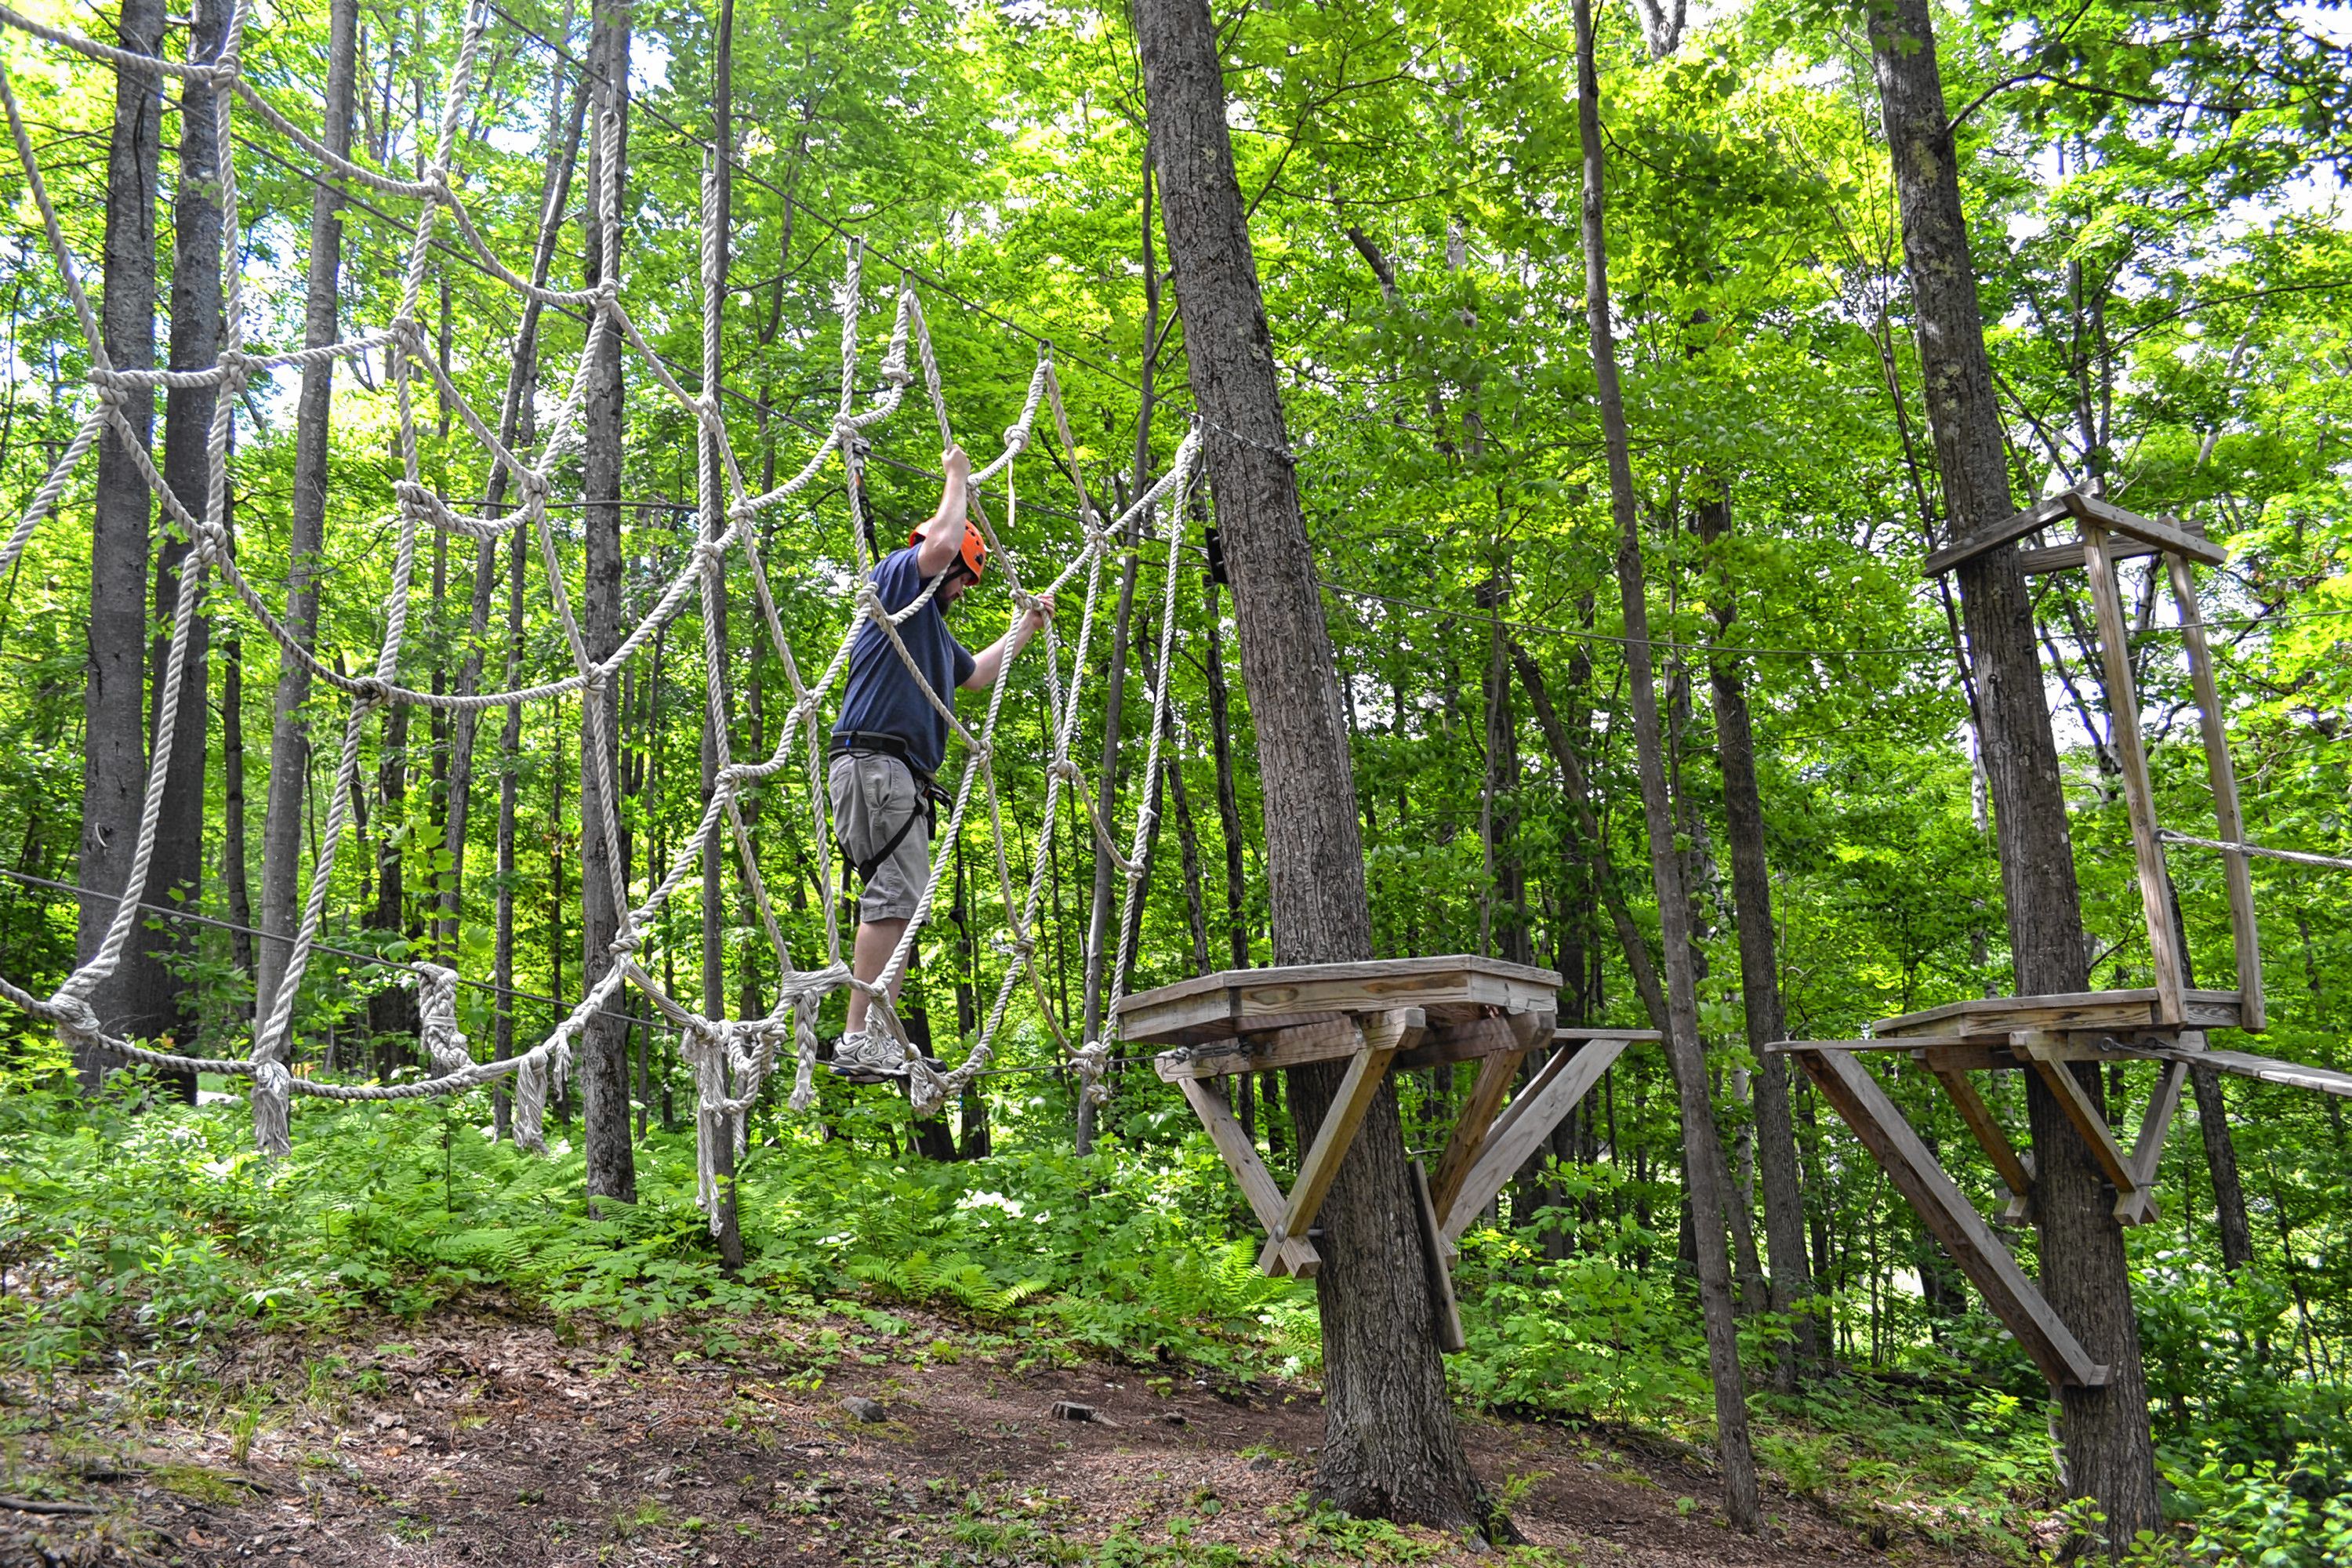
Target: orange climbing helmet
(974, 556)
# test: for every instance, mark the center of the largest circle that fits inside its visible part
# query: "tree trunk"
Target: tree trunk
(714, 975)
(1229, 809)
(514, 412)
(1759, 983)
(289, 738)
(154, 982)
(1391, 1448)
(604, 870)
(1702, 1148)
(392, 1009)
(510, 783)
(1598, 871)
(114, 707)
(1506, 881)
(2109, 1454)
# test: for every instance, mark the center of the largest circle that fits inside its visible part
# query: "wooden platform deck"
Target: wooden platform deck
(1449, 991)
(1379, 1017)
(1997, 1017)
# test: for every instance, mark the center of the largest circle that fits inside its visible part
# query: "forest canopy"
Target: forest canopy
(2154, 206)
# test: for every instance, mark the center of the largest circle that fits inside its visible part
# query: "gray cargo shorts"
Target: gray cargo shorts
(873, 795)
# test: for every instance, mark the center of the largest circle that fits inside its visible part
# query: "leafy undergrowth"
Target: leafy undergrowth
(150, 1235)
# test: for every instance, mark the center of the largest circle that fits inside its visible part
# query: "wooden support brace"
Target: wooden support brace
(2132, 1205)
(1437, 1256)
(2015, 1173)
(2153, 1123)
(2139, 792)
(1384, 1033)
(1549, 1096)
(1472, 1124)
(2014, 1297)
(1293, 1257)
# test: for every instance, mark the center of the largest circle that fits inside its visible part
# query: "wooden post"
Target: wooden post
(2227, 821)
(2131, 754)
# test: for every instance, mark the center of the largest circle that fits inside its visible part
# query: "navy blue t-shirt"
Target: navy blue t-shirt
(880, 696)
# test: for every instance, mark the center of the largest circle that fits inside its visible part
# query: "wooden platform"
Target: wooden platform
(2049, 1037)
(1379, 1017)
(1997, 1017)
(1231, 1002)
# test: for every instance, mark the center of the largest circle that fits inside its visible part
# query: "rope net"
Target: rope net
(730, 1058)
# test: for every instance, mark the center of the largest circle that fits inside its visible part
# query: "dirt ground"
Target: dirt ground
(482, 1440)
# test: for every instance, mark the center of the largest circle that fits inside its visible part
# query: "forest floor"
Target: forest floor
(483, 1436)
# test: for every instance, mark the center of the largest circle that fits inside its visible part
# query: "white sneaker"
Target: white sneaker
(867, 1055)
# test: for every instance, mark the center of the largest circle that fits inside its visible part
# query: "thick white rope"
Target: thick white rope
(731, 1058)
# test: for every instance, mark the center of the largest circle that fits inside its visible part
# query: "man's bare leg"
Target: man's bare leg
(868, 955)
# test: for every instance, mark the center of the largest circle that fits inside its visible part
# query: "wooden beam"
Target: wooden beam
(2069, 557)
(2131, 753)
(1384, 1033)
(1995, 1017)
(2229, 822)
(2154, 1122)
(1549, 1096)
(2264, 1070)
(1444, 1309)
(1971, 1056)
(1473, 1039)
(1327, 1040)
(2098, 512)
(2014, 1297)
(1296, 1257)
(2038, 516)
(2132, 1204)
(1470, 1127)
(1987, 1131)
(1892, 1043)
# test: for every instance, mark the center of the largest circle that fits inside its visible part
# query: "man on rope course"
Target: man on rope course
(892, 737)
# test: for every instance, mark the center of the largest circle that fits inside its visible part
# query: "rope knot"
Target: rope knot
(1089, 1061)
(710, 554)
(371, 691)
(1016, 438)
(1066, 770)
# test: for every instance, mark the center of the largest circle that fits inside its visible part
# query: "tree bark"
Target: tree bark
(1639, 964)
(1702, 1147)
(522, 378)
(1792, 1277)
(509, 783)
(2109, 1454)
(1106, 893)
(1391, 1448)
(232, 824)
(114, 708)
(289, 737)
(714, 989)
(1229, 809)
(604, 880)
(156, 986)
